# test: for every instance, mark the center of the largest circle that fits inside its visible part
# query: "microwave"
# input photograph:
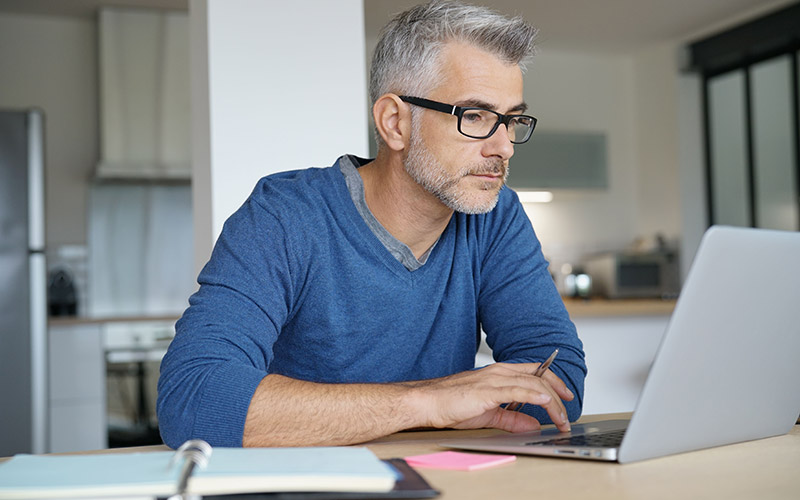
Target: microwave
(634, 275)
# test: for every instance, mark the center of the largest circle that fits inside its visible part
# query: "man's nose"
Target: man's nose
(499, 144)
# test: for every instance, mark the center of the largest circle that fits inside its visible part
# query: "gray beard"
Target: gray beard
(429, 173)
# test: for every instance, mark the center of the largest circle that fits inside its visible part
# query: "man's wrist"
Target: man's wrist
(417, 402)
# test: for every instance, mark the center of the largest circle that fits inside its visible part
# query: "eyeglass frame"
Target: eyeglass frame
(458, 111)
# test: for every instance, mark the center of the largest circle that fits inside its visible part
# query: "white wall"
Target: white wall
(656, 97)
(570, 91)
(50, 63)
(633, 99)
(275, 89)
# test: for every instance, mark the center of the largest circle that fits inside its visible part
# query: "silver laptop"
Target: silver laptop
(727, 369)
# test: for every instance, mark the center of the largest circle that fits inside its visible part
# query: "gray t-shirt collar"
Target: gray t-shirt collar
(349, 165)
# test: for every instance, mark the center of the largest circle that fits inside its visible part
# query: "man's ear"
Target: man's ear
(393, 121)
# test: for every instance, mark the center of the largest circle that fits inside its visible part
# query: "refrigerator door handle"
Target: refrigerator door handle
(36, 215)
(38, 284)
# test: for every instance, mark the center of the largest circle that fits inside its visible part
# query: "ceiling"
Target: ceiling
(588, 25)
(618, 26)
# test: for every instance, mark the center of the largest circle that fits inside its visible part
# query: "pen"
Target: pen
(544, 366)
(538, 373)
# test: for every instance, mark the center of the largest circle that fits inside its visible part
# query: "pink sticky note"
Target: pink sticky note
(455, 460)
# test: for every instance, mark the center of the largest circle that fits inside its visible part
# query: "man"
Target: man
(346, 303)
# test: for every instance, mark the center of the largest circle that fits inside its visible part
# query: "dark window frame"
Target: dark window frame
(773, 35)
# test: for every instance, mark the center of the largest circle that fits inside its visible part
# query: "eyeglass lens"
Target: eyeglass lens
(479, 123)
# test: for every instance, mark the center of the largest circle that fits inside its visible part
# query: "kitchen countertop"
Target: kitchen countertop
(86, 320)
(594, 307)
(577, 308)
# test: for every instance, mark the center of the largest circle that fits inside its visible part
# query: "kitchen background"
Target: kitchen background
(120, 104)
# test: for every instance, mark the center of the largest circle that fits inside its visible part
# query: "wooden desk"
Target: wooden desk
(766, 469)
(763, 469)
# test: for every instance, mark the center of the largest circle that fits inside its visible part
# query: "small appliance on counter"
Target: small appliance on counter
(577, 283)
(636, 273)
(61, 296)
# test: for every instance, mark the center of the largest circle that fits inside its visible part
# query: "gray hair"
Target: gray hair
(407, 53)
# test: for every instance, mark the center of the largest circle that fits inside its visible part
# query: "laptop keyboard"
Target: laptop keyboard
(608, 439)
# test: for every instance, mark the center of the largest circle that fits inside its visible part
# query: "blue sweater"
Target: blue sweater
(298, 285)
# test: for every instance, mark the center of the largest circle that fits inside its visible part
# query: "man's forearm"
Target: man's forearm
(290, 412)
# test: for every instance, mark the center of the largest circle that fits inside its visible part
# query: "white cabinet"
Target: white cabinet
(619, 351)
(145, 95)
(77, 388)
(83, 399)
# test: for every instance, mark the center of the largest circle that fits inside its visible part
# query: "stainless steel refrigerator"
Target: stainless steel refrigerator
(23, 285)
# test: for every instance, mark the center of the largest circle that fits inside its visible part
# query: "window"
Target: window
(752, 131)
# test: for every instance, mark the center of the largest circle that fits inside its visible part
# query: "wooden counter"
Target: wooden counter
(85, 320)
(576, 307)
(624, 307)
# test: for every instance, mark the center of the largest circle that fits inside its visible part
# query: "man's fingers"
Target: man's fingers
(548, 397)
(560, 387)
(551, 403)
(536, 391)
(558, 414)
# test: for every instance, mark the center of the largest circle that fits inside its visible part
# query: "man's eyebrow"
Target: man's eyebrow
(519, 108)
(477, 103)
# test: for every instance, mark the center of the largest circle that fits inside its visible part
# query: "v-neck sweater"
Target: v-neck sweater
(299, 285)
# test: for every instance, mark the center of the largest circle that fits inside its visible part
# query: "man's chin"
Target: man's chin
(481, 203)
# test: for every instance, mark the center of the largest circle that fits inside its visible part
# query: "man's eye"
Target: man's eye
(473, 117)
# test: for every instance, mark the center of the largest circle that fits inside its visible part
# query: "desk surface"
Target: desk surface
(763, 469)
(766, 469)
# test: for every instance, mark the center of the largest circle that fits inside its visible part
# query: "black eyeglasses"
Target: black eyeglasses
(480, 123)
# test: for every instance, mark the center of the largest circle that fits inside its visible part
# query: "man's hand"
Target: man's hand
(472, 399)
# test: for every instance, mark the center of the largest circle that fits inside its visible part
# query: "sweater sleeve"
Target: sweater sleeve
(223, 342)
(520, 310)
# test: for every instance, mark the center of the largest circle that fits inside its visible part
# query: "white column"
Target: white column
(693, 197)
(275, 86)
